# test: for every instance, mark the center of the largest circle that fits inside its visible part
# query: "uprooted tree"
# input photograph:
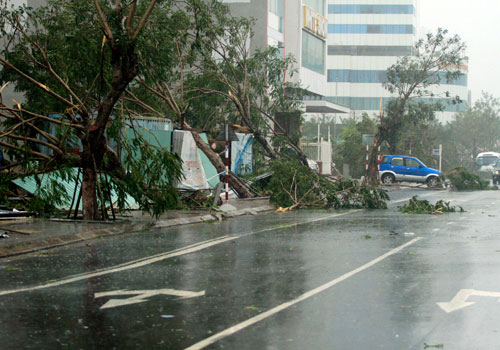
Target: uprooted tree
(73, 60)
(199, 72)
(438, 59)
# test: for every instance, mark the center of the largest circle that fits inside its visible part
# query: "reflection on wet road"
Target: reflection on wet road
(308, 279)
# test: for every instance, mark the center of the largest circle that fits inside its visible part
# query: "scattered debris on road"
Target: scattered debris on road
(422, 206)
(463, 180)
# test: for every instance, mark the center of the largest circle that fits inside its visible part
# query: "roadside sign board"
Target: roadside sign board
(436, 152)
(368, 139)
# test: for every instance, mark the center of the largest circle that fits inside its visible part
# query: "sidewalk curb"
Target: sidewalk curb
(30, 247)
(121, 228)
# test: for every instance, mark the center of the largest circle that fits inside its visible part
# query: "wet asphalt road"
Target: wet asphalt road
(353, 279)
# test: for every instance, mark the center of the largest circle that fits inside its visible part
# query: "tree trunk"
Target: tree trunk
(372, 176)
(95, 145)
(89, 194)
(216, 161)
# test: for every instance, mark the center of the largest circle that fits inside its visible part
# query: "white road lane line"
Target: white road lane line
(126, 266)
(167, 255)
(251, 321)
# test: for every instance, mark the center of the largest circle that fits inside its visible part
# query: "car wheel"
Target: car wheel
(388, 179)
(432, 182)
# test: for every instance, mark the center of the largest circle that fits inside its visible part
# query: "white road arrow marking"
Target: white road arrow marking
(460, 300)
(142, 295)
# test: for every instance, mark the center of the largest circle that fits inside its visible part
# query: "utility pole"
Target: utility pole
(227, 160)
(440, 156)
(318, 144)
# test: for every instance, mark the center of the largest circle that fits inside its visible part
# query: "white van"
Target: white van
(486, 161)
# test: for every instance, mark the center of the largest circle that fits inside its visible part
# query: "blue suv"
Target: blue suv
(410, 169)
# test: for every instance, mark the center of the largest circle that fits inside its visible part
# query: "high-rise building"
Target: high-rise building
(365, 37)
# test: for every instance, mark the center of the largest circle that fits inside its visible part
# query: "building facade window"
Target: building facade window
(357, 76)
(380, 76)
(313, 53)
(369, 50)
(373, 103)
(371, 29)
(276, 7)
(316, 5)
(372, 9)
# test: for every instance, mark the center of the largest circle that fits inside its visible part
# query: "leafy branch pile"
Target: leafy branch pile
(463, 180)
(422, 206)
(294, 185)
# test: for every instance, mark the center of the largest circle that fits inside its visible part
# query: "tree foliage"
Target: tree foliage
(477, 129)
(72, 77)
(252, 83)
(351, 149)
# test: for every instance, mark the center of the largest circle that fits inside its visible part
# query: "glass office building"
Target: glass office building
(365, 37)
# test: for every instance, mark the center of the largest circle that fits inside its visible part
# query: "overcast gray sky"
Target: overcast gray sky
(478, 24)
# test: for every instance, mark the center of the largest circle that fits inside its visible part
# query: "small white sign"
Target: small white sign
(436, 152)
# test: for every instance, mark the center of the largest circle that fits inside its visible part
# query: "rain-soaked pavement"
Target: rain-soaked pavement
(353, 279)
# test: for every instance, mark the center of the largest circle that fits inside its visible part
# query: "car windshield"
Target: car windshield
(422, 163)
(487, 160)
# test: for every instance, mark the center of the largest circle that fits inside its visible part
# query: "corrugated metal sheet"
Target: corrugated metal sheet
(153, 123)
(160, 138)
(210, 170)
(30, 185)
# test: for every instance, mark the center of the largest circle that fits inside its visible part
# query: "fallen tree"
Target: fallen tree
(199, 72)
(295, 186)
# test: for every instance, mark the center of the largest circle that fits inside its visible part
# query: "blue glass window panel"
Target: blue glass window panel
(313, 53)
(373, 103)
(369, 50)
(372, 9)
(370, 29)
(380, 76)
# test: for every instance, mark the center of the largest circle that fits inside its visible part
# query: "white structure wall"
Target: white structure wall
(313, 81)
(365, 37)
(281, 23)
